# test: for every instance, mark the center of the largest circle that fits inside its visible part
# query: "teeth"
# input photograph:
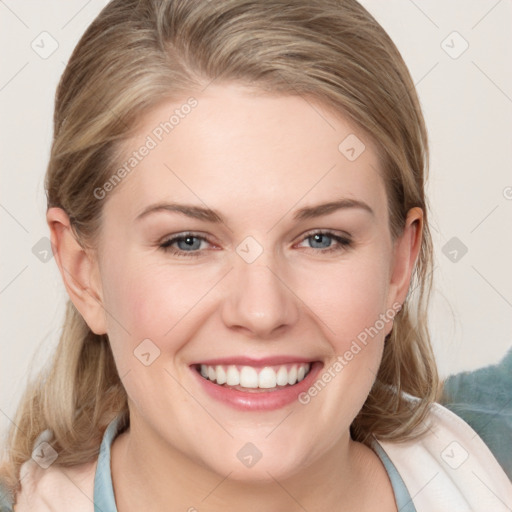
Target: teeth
(282, 376)
(220, 374)
(292, 375)
(249, 377)
(232, 376)
(267, 378)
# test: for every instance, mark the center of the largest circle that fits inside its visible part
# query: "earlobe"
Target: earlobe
(79, 270)
(407, 248)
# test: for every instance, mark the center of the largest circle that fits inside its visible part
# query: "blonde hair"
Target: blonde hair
(137, 53)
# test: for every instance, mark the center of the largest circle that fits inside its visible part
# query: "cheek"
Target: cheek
(153, 301)
(149, 310)
(348, 298)
(350, 301)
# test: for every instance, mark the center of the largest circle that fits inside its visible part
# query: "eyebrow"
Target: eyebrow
(207, 214)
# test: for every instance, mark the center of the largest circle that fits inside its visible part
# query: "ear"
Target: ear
(406, 250)
(79, 270)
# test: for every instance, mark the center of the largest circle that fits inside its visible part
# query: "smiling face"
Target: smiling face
(265, 278)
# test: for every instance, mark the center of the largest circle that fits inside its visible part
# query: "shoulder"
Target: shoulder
(451, 464)
(56, 488)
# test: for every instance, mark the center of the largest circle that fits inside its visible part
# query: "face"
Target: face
(266, 281)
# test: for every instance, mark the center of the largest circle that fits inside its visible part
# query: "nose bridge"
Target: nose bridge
(258, 300)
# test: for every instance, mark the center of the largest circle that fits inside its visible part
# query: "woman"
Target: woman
(236, 205)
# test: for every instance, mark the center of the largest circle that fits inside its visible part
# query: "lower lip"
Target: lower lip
(261, 400)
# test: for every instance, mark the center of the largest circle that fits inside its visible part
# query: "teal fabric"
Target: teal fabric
(483, 398)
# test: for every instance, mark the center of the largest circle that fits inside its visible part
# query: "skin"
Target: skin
(255, 158)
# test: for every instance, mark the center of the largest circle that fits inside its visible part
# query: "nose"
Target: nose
(259, 300)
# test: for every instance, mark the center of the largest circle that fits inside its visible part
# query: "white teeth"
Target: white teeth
(267, 378)
(232, 376)
(220, 374)
(292, 375)
(248, 377)
(282, 376)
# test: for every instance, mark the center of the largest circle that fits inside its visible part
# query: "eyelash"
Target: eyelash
(342, 241)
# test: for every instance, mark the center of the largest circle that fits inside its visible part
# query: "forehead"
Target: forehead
(236, 148)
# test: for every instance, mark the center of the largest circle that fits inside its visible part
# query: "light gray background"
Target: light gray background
(467, 103)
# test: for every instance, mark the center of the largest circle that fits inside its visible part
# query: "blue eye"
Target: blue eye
(189, 244)
(324, 240)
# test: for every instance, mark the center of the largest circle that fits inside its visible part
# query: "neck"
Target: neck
(344, 478)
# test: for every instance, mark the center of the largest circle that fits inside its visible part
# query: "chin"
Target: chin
(249, 465)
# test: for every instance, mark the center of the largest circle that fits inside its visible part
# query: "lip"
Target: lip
(256, 363)
(261, 400)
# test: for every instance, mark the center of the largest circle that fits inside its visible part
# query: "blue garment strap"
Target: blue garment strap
(403, 499)
(103, 489)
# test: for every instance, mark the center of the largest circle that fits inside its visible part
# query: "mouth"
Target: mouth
(253, 379)
(250, 385)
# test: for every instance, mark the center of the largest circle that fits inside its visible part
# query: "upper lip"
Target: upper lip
(248, 361)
